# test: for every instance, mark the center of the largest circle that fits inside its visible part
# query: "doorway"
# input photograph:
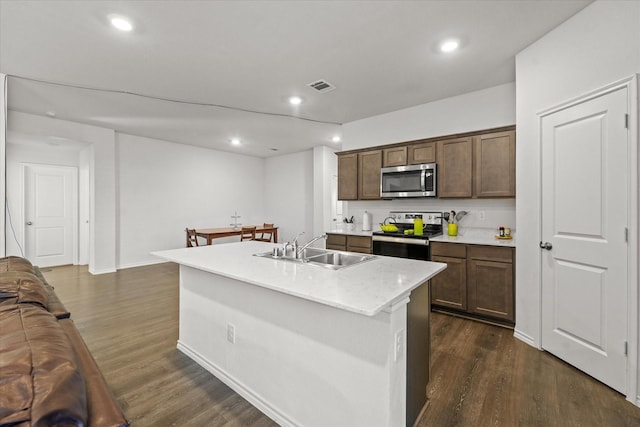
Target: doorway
(586, 179)
(50, 214)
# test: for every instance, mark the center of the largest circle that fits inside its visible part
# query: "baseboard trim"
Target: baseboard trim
(98, 272)
(237, 386)
(141, 264)
(524, 338)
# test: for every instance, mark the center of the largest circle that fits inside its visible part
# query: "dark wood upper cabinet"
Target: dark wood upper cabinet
(348, 176)
(369, 165)
(495, 165)
(455, 167)
(478, 164)
(396, 156)
(421, 153)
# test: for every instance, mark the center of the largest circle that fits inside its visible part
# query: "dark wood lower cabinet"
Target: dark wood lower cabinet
(349, 243)
(478, 281)
(449, 288)
(490, 289)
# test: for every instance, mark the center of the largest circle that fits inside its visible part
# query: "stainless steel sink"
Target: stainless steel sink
(333, 260)
(337, 260)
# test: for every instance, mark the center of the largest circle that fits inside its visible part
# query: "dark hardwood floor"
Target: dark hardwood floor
(480, 374)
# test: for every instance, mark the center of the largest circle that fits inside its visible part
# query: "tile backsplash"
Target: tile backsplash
(496, 212)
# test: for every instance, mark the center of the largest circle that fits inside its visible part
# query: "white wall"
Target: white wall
(3, 182)
(166, 187)
(325, 169)
(85, 161)
(102, 177)
(484, 109)
(596, 47)
(288, 191)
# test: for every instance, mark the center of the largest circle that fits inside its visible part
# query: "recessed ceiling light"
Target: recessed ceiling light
(235, 141)
(295, 100)
(449, 45)
(121, 23)
(336, 138)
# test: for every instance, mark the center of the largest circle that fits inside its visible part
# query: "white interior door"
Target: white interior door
(50, 214)
(584, 226)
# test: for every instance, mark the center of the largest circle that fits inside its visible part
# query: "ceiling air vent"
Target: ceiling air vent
(322, 86)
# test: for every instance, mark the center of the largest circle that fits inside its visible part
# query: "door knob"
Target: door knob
(29, 223)
(546, 245)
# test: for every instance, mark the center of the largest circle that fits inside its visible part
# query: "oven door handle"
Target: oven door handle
(421, 242)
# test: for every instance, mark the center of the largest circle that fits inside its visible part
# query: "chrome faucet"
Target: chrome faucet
(306, 245)
(294, 244)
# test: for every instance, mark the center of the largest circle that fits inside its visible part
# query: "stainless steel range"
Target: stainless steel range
(403, 243)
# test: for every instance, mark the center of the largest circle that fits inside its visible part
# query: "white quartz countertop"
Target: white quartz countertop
(475, 236)
(366, 288)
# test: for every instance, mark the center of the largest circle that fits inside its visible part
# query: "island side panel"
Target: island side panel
(418, 350)
(300, 362)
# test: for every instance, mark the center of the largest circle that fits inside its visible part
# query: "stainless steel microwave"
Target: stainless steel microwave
(408, 181)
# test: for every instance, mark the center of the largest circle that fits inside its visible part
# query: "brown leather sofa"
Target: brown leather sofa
(47, 374)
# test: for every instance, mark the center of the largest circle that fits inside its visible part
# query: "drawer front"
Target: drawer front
(337, 240)
(491, 253)
(359, 242)
(455, 250)
(358, 250)
(336, 247)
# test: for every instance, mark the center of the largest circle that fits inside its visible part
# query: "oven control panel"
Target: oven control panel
(433, 218)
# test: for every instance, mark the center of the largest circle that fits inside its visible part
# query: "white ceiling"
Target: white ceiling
(243, 59)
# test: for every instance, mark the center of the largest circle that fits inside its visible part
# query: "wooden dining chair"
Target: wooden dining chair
(248, 233)
(265, 236)
(192, 238)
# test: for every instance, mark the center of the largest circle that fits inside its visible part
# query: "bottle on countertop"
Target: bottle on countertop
(366, 221)
(501, 231)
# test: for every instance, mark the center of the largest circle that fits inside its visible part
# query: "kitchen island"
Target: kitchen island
(307, 345)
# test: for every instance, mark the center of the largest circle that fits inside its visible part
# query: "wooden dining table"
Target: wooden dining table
(216, 233)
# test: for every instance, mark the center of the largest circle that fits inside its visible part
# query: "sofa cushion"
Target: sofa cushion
(40, 379)
(14, 263)
(19, 287)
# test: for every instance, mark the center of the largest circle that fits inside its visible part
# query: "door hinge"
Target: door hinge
(626, 348)
(626, 235)
(626, 121)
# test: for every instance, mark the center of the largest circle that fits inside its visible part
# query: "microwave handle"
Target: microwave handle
(423, 180)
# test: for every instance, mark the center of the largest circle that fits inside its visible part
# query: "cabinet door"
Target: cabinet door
(421, 153)
(490, 288)
(455, 167)
(396, 156)
(495, 165)
(337, 242)
(370, 163)
(449, 288)
(360, 244)
(348, 176)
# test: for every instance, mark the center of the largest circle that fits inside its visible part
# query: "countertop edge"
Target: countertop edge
(371, 311)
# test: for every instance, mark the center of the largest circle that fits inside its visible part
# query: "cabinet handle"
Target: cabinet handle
(546, 245)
